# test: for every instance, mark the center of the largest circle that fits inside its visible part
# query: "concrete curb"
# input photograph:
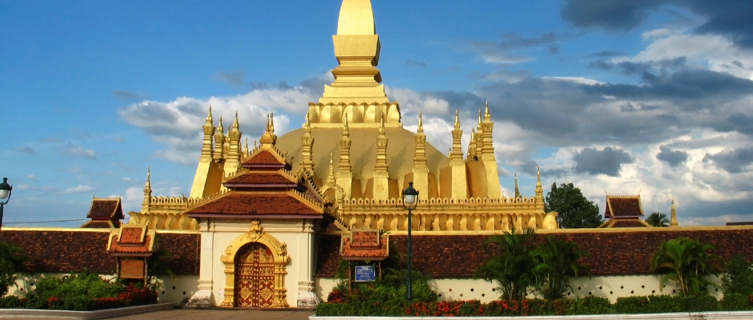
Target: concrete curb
(716, 315)
(83, 315)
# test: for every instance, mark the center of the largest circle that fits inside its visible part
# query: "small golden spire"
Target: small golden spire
(148, 184)
(673, 219)
(539, 188)
(420, 122)
(235, 122)
(487, 115)
(381, 126)
(517, 190)
(457, 119)
(209, 114)
(269, 137)
(245, 147)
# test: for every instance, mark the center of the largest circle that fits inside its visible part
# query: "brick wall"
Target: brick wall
(73, 251)
(609, 253)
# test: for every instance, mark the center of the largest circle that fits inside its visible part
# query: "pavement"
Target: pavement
(220, 314)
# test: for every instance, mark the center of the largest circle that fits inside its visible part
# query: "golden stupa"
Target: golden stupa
(354, 147)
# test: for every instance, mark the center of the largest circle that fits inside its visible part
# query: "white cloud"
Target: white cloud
(578, 80)
(133, 198)
(78, 189)
(177, 124)
(80, 151)
(411, 102)
(704, 51)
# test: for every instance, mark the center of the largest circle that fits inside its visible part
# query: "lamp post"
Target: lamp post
(410, 201)
(5, 190)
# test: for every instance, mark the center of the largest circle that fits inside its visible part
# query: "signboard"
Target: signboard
(365, 273)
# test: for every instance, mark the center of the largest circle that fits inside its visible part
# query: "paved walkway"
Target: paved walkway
(214, 314)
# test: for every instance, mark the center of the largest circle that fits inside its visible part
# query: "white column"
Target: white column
(307, 298)
(203, 297)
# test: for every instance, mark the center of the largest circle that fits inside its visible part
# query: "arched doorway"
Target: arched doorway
(254, 277)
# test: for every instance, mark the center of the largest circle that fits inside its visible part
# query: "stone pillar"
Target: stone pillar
(203, 297)
(307, 298)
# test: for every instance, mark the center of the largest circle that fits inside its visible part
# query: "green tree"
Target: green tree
(512, 266)
(658, 219)
(12, 260)
(555, 262)
(686, 262)
(738, 276)
(575, 211)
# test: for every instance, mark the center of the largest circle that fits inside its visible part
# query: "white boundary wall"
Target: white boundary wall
(611, 287)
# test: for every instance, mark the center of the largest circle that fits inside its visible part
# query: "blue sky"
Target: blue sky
(649, 97)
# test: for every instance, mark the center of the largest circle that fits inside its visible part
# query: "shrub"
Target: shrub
(12, 260)
(700, 303)
(555, 262)
(687, 262)
(512, 266)
(738, 276)
(11, 302)
(590, 305)
(735, 301)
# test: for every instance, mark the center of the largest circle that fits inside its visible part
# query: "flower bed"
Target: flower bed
(82, 292)
(589, 305)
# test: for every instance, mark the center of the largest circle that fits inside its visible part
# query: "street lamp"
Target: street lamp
(5, 190)
(410, 201)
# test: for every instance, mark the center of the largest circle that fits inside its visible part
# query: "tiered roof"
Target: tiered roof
(262, 188)
(104, 213)
(623, 212)
(131, 240)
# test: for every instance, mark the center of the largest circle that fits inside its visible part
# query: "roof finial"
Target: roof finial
(269, 136)
(457, 119)
(420, 122)
(235, 122)
(517, 190)
(487, 115)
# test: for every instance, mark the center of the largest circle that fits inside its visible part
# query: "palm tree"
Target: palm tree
(556, 261)
(512, 265)
(687, 262)
(658, 219)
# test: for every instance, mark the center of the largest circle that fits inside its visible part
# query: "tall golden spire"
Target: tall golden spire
(479, 135)
(245, 147)
(381, 187)
(673, 219)
(381, 151)
(420, 142)
(539, 189)
(457, 135)
(147, 203)
(233, 158)
(269, 137)
(472, 145)
(344, 162)
(219, 141)
(208, 128)
(307, 144)
(517, 190)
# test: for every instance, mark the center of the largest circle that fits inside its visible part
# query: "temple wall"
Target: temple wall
(610, 287)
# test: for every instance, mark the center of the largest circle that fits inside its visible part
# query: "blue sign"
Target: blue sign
(365, 273)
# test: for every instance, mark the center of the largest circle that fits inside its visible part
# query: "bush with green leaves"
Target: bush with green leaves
(512, 265)
(555, 263)
(686, 262)
(72, 292)
(12, 260)
(738, 276)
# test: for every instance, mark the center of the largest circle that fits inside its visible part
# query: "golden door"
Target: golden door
(254, 277)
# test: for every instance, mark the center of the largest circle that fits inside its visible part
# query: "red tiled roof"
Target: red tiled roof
(255, 203)
(105, 209)
(263, 159)
(131, 234)
(118, 248)
(364, 245)
(623, 207)
(261, 179)
(131, 240)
